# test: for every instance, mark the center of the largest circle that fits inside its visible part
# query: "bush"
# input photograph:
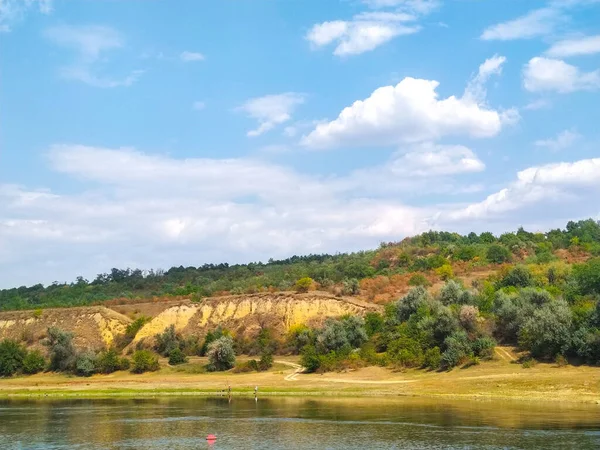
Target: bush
(445, 272)
(405, 352)
(432, 358)
(266, 362)
(303, 284)
(211, 336)
(483, 347)
(411, 302)
(167, 341)
(85, 365)
(34, 362)
(63, 355)
(332, 336)
(458, 349)
(12, 355)
(355, 331)
(351, 286)
(108, 361)
(468, 317)
(221, 355)
(310, 359)
(177, 357)
(418, 279)
(373, 323)
(518, 276)
(498, 254)
(144, 361)
(451, 292)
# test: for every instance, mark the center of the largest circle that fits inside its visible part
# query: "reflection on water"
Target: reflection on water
(175, 423)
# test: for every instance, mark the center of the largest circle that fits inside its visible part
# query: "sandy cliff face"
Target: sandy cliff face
(93, 327)
(248, 313)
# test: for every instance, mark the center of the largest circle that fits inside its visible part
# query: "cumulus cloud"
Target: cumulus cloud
(563, 140)
(587, 45)
(90, 43)
(412, 112)
(546, 74)
(572, 186)
(188, 56)
(271, 110)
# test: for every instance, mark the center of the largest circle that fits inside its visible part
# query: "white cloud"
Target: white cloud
(545, 74)
(363, 33)
(587, 45)
(412, 112)
(533, 24)
(572, 189)
(476, 90)
(540, 103)
(188, 56)
(271, 110)
(198, 105)
(563, 140)
(415, 6)
(90, 44)
(430, 160)
(11, 11)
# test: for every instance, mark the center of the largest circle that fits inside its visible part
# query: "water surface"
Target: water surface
(183, 423)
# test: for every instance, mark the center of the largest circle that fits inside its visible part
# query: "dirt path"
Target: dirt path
(506, 356)
(294, 375)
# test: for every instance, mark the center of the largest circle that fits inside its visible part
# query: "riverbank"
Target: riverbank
(495, 380)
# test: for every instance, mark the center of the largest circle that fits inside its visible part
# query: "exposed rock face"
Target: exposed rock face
(93, 327)
(246, 314)
(96, 327)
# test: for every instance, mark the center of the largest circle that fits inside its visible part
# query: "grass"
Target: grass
(491, 380)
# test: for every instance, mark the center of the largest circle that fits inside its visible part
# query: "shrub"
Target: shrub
(211, 336)
(351, 286)
(124, 363)
(451, 292)
(561, 361)
(167, 341)
(518, 276)
(468, 317)
(483, 347)
(34, 362)
(177, 357)
(85, 365)
(432, 358)
(266, 362)
(498, 254)
(405, 352)
(62, 352)
(411, 302)
(144, 361)
(108, 361)
(355, 331)
(445, 272)
(458, 349)
(221, 355)
(12, 355)
(310, 359)
(303, 284)
(299, 336)
(418, 279)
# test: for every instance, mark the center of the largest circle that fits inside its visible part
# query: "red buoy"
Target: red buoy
(211, 437)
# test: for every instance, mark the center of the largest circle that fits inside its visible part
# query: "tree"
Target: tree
(34, 362)
(411, 302)
(332, 336)
(144, 361)
(451, 292)
(62, 352)
(547, 332)
(445, 272)
(176, 357)
(221, 355)
(109, 361)
(587, 276)
(85, 364)
(356, 334)
(12, 355)
(167, 341)
(518, 276)
(498, 254)
(373, 323)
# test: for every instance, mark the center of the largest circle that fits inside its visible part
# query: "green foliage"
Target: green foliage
(221, 355)
(266, 362)
(310, 359)
(351, 286)
(176, 357)
(210, 337)
(445, 272)
(12, 355)
(432, 359)
(518, 276)
(167, 341)
(498, 254)
(144, 361)
(109, 361)
(409, 304)
(63, 355)
(548, 331)
(373, 323)
(587, 277)
(418, 279)
(458, 350)
(303, 284)
(34, 362)
(85, 365)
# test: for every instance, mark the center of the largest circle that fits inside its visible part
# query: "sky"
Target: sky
(154, 133)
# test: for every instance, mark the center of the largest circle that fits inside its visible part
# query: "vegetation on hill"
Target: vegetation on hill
(418, 260)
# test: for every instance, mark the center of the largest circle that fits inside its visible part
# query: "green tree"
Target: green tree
(12, 355)
(176, 357)
(167, 341)
(373, 323)
(109, 361)
(303, 284)
(34, 362)
(498, 254)
(547, 332)
(144, 361)
(221, 355)
(62, 351)
(85, 365)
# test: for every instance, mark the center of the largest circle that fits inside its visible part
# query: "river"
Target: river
(295, 423)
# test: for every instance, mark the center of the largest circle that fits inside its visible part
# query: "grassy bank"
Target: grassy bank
(496, 380)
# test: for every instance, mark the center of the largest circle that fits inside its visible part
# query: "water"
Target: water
(292, 423)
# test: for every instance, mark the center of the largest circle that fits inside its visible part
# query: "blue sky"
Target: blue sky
(136, 133)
